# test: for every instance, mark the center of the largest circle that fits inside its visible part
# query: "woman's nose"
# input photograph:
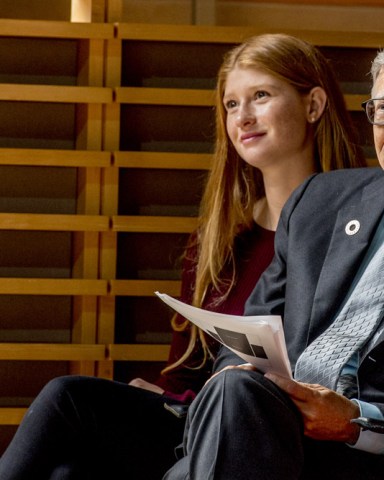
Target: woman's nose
(245, 117)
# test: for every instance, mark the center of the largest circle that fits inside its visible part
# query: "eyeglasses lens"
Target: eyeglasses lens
(375, 111)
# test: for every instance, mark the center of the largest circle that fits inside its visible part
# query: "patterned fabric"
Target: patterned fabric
(322, 361)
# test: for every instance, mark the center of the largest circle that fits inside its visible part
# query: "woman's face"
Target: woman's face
(267, 119)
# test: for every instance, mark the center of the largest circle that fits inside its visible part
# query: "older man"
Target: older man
(327, 282)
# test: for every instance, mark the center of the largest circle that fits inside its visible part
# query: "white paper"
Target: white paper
(258, 340)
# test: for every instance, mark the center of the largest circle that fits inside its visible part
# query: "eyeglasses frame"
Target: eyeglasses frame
(364, 107)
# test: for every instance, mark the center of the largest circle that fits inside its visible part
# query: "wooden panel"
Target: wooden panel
(51, 351)
(11, 416)
(99, 13)
(372, 162)
(144, 288)
(166, 12)
(52, 286)
(72, 223)
(139, 352)
(127, 223)
(165, 96)
(55, 93)
(354, 102)
(167, 160)
(114, 10)
(54, 158)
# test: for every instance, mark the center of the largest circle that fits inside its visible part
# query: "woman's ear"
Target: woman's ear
(317, 100)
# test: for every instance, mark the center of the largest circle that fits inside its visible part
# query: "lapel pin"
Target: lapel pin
(352, 227)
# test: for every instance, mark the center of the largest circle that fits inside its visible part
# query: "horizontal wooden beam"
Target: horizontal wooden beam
(165, 96)
(55, 93)
(57, 29)
(237, 34)
(138, 352)
(54, 158)
(51, 351)
(153, 224)
(372, 162)
(52, 286)
(54, 222)
(354, 101)
(163, 160)
(144, 288)
(11, 415)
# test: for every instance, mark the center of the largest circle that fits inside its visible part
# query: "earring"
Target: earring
(313, 119)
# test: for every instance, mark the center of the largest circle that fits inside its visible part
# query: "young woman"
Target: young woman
(280, 117)
(292, 122)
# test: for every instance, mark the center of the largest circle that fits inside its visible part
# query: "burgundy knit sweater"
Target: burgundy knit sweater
(254, 252)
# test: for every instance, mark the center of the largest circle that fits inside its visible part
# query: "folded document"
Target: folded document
(258, 340)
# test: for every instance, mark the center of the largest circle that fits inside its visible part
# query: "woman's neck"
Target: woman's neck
(278, 188)
(266, 215)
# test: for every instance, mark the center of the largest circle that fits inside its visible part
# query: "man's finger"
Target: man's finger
(293, 388)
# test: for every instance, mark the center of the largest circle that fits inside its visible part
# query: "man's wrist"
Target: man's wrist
(354, 428)
(368, 440)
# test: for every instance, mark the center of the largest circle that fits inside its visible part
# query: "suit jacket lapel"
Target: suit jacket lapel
(346, 253)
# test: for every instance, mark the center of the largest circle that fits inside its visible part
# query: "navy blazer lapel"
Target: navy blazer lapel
(345, 254)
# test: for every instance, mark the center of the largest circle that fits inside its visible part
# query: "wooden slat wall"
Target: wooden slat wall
(88, 97)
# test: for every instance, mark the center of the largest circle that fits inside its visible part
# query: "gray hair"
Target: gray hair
(377, 65)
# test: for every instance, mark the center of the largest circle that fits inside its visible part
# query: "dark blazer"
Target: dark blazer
(315, 262)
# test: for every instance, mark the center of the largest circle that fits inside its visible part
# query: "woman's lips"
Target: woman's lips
(247, 137)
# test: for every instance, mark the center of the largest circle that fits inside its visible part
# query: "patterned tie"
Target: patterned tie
(322, 361)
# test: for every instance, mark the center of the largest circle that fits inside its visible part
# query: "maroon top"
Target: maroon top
(254, 252)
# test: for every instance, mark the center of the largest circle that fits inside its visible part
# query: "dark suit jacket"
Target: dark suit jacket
(315, 263)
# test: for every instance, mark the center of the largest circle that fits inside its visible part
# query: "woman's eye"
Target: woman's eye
(261, 94)
(230, 104)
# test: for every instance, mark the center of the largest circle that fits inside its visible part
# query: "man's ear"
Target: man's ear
(317, 100)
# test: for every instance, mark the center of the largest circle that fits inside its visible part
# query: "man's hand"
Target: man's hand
(140, 383)
(326, 414)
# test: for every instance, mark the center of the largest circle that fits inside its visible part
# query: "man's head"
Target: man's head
(377, 72)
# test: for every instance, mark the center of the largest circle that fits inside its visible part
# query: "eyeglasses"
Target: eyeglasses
(374, 108)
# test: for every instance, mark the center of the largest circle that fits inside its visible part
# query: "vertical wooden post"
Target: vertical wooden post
(114, 11)
(204, 12)
(109, 203)
(86, 245)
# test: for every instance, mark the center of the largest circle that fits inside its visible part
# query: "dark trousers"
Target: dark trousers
(81, 428)
(242, 427)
